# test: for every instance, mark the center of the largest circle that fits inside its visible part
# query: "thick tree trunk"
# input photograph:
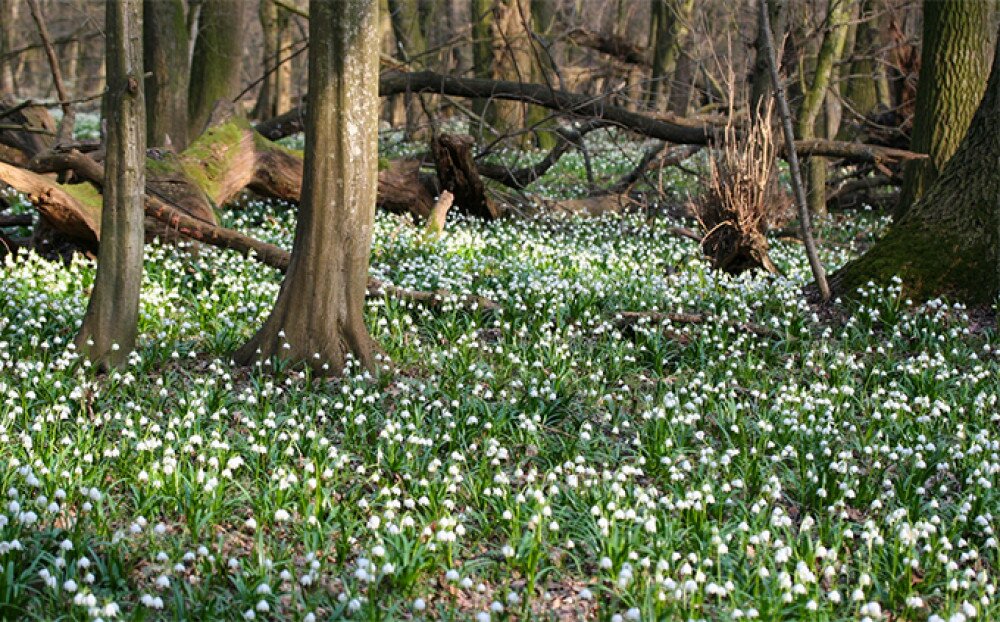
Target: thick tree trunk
(318, 317)
(954, 64)
(165, 51)
(948, 242)
(108, 333)
(215, 66)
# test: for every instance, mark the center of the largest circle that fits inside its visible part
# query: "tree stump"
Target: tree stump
(458, 174)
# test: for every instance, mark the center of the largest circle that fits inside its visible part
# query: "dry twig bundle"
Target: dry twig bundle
(738, 198)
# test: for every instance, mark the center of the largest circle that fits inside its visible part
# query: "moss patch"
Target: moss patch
(88, 196)
(208, 159)
(931, 263)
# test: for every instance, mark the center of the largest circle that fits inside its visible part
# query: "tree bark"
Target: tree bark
(861, 93)
(668, 29)
(215, 66)
(165, 55)
(108, 333)
(8, 13)
(501, 51)
(830, 52)
(318, 318)
(954, 65)
(275, 91)
(948, 242)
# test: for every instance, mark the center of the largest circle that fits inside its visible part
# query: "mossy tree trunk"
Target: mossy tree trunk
(830, 52)
(217, 59)
(318, 317)
(948, 242)
(108, 333)
(954, 63)
(668, 29)
(165, 55)
(275, 94)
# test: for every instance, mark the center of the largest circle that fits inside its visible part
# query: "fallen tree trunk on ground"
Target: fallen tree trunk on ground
(672, 131)
(174, 208)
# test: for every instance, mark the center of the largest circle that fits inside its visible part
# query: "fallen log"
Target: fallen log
(670, 130)
(79, 215)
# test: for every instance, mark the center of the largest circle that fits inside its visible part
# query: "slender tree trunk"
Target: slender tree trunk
(543, 16)
(165, 49)
(274, 97)
(954, 63)
(481, 15)
(407, 29)
(861, 93)
(108, 333)
(760, 83)
(668, 29)
(830, 52)
(8, 13)
(948, 242)
(318, 317)
(215, 66)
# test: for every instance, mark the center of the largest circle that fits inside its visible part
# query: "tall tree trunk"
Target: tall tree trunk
(830, 52)
(481, 15)
(274, 97)
(215, 66)
(502, 51)
(543, 15)
(8, 13)
(318, 317)
(948, 242)
(861, 93)
(760, 83)
(108, 333)
(407, 20)
(668, 29)
(954, 63)
(165, 50)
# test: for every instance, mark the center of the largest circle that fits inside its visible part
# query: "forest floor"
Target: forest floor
(544, 461)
